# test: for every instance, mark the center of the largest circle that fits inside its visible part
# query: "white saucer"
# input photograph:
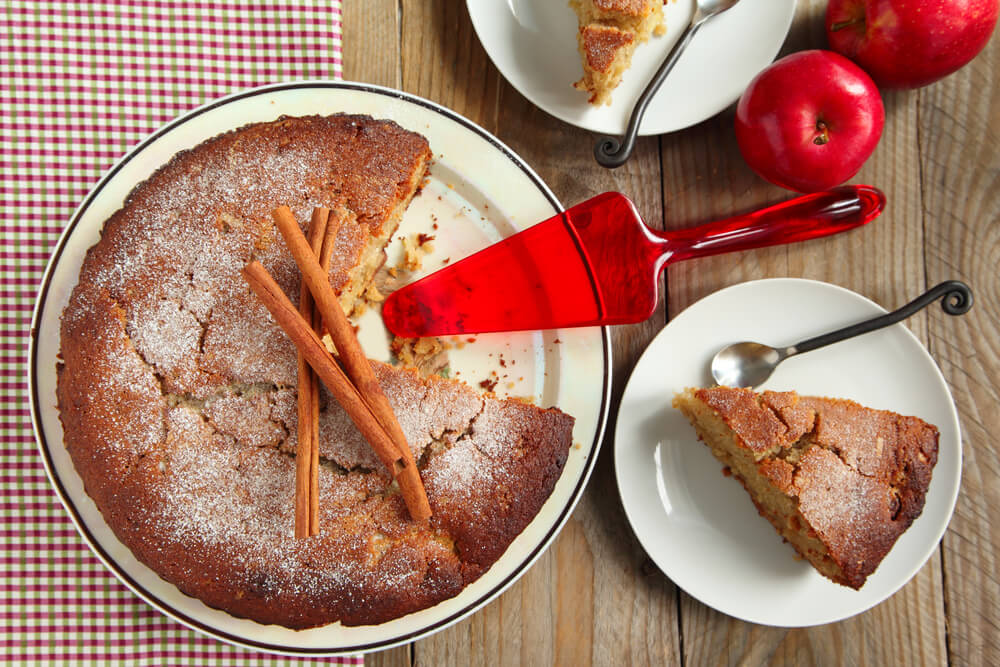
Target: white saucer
(533, 44)
(700, 527)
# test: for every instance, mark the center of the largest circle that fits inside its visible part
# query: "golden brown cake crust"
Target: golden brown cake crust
(176, 396)
(637, 8)
(601, 45)
(859, 475)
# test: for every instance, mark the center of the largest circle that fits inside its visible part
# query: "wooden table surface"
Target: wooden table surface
(592, 598)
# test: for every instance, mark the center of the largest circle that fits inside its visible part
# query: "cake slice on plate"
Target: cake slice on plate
(609, 32)
(839, 481)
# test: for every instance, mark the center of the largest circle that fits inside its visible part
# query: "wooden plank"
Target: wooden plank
(586, 601)
(401, 656)
(705, 177)
(371, 42)
(959, 125)
(443, 60)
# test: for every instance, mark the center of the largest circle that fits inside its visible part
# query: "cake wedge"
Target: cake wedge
(609, 32)
(839, 481)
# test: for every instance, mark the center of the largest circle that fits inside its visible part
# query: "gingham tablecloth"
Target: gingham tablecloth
(82, 83)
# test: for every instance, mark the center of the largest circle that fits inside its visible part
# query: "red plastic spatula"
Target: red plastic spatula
(597, 263)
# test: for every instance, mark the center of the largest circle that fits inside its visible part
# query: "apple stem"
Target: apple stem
(834, 27)
(824, 133)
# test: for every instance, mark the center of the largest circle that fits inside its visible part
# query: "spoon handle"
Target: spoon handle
(609, 151)
(957, 300)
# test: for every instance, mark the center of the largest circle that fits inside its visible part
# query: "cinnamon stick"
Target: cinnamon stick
(303, 523)
(307, 453)
(333, 221)
(314, 457)
(346, 394)
(337, 217)
(349, 350)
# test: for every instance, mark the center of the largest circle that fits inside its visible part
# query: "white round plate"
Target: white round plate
(533, 44)
(700, 527)
(467, 197)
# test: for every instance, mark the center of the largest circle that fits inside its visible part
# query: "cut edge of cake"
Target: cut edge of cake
(361, 277)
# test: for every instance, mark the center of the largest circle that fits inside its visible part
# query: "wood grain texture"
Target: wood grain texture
(401, 656)
(959, 125)
(443, 60)
(371, 42)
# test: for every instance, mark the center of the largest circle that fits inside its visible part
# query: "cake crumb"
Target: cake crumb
(427, 355)
(415, 248)
(372, 295)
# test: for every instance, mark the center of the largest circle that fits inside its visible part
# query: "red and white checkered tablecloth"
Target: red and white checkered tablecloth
(82, 83)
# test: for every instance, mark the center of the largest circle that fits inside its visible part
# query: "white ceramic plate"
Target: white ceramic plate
(533, 44)
(700, 527)
(469, 195)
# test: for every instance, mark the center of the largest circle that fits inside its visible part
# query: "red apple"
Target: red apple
(910, 43)
(809, 121)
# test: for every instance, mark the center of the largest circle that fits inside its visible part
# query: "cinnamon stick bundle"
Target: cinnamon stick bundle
(320, 360)
(346, 394)
(349, 350)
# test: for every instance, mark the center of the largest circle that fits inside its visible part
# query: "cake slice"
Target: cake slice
(609, 32)
(839, 481)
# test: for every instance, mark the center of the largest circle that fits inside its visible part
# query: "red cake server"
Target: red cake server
(597, 263)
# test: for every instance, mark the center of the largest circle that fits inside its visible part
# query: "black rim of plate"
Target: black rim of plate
(68, 503)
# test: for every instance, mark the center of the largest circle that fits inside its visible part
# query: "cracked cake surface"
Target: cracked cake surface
(839, 481)
(177, 395)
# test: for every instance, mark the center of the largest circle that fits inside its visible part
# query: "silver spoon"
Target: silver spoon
(750, 364)
(609, 151)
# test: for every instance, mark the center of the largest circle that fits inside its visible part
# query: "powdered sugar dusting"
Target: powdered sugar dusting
(133, 389)
(459, 473)
(247, 418)
(167, 336)
(844, 507)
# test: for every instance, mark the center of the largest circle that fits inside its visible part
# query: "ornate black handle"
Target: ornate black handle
(957, 300)
(609, 151)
